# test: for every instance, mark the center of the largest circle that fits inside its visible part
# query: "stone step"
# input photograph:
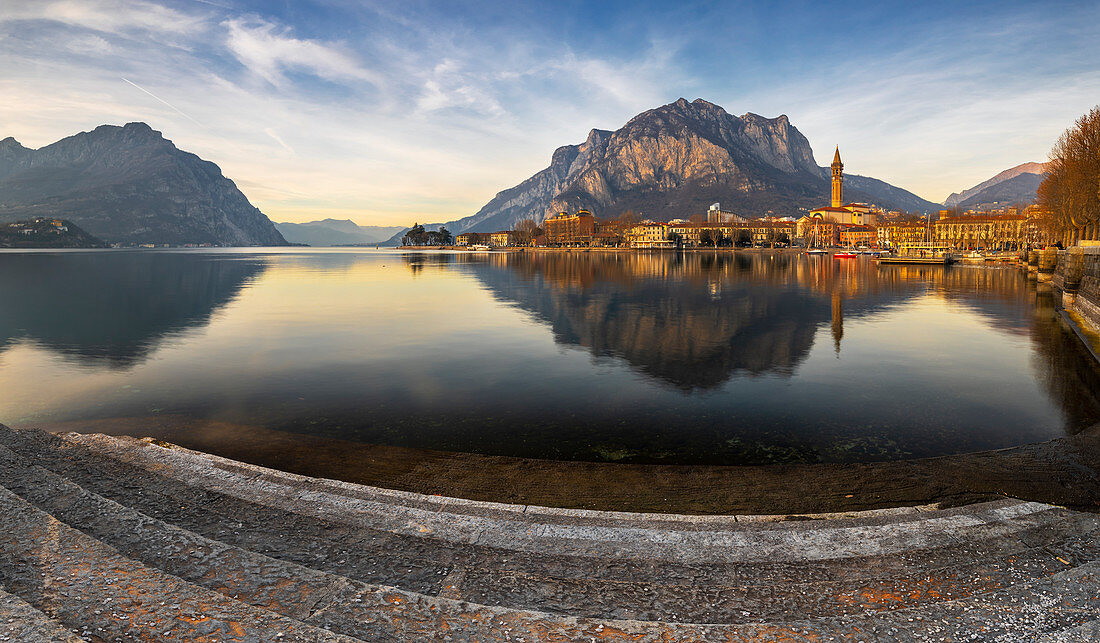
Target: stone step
(400, 615)
(19, 621)
(634, 589)
(668, 538)
(86, 585)
(388, 614)
(337, 604)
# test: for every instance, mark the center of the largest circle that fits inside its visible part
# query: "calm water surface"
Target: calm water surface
(696, 358)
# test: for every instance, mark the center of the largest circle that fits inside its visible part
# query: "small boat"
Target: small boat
(846, 254)
(817, 251)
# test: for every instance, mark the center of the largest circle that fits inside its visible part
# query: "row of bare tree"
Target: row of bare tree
(1071, 189)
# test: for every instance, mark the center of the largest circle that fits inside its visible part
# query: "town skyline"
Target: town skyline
(329, 110)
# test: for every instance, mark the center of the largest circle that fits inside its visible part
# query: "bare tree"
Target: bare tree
(525, 231)
(1071, 189)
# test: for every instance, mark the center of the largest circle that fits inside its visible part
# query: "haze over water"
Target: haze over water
(696, 358)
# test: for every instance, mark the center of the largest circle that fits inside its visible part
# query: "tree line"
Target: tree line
(418, 236)
(1071, 190)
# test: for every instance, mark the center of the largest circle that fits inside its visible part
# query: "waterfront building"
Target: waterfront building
(903, 233)
(692, 234)
(1038, 226)
(501, 238)
(856, 235)
(468, 239)
(715, 214)
(816, 230)
(982, 232)
(648, 235)
(564, 229)
(770, 232)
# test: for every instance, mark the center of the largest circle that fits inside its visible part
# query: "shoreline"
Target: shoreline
(1048, 472)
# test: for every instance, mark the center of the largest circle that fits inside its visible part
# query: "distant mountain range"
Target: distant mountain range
(1014, 185)
(335, 232)
(674, 161)
(129, 185)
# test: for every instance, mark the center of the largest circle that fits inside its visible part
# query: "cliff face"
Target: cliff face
(131, 185)
(674, 161)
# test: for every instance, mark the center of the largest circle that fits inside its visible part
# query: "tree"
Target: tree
(706, 237)
(525, 231)
(627, 219)
(415, 236)
(744, 237)
(445, 236)
(1071, 189)
(677, 238)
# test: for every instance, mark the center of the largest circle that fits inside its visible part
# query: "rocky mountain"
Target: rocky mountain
(335, 232)
(1014, 185)
(129, 185)
(674, 161)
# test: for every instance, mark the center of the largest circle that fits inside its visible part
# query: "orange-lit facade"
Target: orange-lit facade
(564, 229)
(856, 235)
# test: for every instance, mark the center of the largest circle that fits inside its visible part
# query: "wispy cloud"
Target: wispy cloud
(270, 52)
(110, 16)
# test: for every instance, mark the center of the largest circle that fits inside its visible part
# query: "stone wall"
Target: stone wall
(1078, 277)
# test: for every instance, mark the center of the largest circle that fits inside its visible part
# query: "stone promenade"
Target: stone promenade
(118, 539)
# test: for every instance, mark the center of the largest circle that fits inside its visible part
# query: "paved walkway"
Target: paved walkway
(106, 539)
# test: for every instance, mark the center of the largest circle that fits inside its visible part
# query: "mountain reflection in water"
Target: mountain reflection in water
(696, 320)
(112, 308)
(702, 357)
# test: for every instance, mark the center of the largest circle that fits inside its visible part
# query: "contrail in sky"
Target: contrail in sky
(214, 4)
(174, 108)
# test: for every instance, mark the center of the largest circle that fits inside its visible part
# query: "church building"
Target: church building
(839, 212)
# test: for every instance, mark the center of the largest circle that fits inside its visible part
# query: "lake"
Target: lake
(700, 358)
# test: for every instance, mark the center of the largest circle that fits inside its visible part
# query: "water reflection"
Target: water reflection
(680, 358)
(696, 320)
(112, 309)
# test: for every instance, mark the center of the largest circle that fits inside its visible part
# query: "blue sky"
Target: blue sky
(389, 112)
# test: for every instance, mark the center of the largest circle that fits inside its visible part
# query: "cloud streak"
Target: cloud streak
(170, 105)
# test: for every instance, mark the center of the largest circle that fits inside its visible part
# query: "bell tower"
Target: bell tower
(838, 180)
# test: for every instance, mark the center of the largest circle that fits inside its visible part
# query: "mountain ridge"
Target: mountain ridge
(129, 184)
(675, 160)
(334, 232)
(1009, 186)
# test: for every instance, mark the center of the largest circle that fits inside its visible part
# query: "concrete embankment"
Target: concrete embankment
(106, 538)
